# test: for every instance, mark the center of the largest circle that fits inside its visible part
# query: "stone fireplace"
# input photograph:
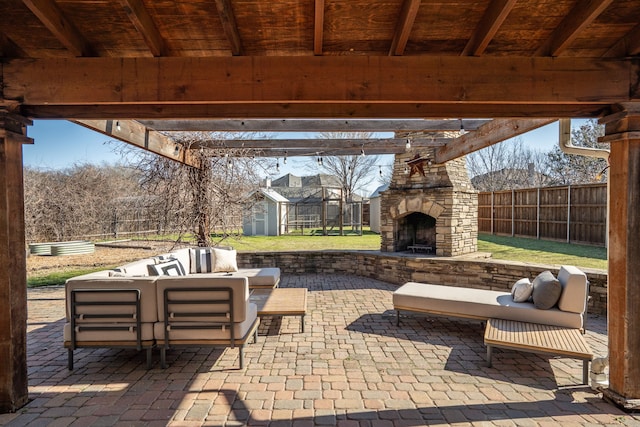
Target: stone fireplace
(437, 211)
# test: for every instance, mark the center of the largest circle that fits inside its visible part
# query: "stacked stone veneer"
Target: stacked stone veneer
(444, 193)
(399, 268)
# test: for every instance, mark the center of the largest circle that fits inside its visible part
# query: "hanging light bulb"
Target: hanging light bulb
(462, 131)
(349, 169)
(284, 161)
(321, 161)
(118, 128)
(176, 150)
(362, 151)
(229, 164)
(380, 170)
(407, 146)
(278, 165)
(406, 170)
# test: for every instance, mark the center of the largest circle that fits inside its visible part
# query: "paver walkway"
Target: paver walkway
(351, 367)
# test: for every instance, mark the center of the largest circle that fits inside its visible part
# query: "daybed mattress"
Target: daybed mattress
(478, 304)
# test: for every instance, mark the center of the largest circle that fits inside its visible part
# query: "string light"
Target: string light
(284, 161)
(118, 128)
(278, 165)
(362, 151)
(406, 170)
(380, 170)
(407, 146)
(229, 164)
(462, 131)
(176, 150)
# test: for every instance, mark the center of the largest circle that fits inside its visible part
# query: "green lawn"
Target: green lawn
(500, 247)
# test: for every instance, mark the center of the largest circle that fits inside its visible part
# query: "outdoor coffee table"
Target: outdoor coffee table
(281, 302)
(536, 338)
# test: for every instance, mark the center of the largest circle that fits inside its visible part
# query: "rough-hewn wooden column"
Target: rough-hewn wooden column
(622, 130)
(13, 280)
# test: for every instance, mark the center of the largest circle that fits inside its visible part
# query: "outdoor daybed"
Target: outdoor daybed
(566, 310)
(192, 296)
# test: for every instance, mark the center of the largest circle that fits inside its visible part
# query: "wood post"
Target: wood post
(622, 130)
(13, 279)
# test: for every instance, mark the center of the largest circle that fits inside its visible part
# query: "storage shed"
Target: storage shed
(265, 213)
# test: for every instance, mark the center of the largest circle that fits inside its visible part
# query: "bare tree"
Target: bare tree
(353, 173)
(508, 165)
(572, 169)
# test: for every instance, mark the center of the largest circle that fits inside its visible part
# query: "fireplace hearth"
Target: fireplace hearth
(437, 210)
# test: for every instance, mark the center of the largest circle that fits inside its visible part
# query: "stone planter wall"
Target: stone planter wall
(400, 268)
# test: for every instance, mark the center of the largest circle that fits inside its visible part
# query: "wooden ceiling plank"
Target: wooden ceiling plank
(403, 27)
(134, 133)
(52, 17)
(629, 45)
(491, 133)
(583, 14)
(319, 80)
(488, 26)
(313, 125)
(143, 22)
(228, 19)
(318, 28)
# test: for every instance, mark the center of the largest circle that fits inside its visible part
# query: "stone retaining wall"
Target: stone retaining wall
(400, 268)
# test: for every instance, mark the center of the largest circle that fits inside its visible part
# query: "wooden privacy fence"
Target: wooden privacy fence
(574, 214)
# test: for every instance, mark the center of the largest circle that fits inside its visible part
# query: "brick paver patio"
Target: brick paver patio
(351, 367)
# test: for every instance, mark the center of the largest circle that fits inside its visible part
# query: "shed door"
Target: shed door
(260, 218)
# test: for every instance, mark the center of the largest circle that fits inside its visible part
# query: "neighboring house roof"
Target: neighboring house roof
(270, 194)
(288, 180)
(379, 190)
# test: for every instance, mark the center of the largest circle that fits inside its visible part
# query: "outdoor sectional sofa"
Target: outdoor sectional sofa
(193, 296)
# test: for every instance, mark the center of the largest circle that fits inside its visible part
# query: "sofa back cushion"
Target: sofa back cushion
(575, 288)
(209, 283)
(146, 286)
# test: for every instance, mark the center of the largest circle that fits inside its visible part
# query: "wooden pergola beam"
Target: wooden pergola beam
(323, 144)
(491, 133)
(321, 81)
(134, 133)
(143, 22)
(228, 19)
(52, 17)
(403, 27)
(9, 49)
(488, 26)
(318, 27)
(314, 125)
(582, 14)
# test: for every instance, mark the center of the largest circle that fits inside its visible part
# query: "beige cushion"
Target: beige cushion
(109, 336)
(574, 289)
(224, 260)
(137, 268)
(258, 277)
(146, 285)
(207, 281)
(240, 329)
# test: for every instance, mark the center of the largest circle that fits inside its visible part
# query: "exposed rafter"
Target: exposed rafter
(488, 26)
(228, 19)
(488, 134)
(9, 49)
(134, 133)
(583, 13)
(143, 22)
(403, 27)
(52, 17)
(313, 125)
(318, 27)
(629, 45)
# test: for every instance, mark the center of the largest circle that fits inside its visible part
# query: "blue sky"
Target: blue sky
(60, 144)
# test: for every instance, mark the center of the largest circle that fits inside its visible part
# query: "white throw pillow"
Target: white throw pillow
(171, 268)
(521, 290)
(224, 260)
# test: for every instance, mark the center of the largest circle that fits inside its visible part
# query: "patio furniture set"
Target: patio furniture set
(199, 297)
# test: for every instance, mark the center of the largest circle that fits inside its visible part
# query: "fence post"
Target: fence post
(538, 216)
(492, 212)
(513, 213)
(569, 213)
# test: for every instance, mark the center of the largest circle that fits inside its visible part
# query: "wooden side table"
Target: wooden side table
(281, 302)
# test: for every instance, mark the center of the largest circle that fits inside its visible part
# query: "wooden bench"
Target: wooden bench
(536, 338)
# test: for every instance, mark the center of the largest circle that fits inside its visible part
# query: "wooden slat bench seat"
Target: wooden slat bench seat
(537, 338)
